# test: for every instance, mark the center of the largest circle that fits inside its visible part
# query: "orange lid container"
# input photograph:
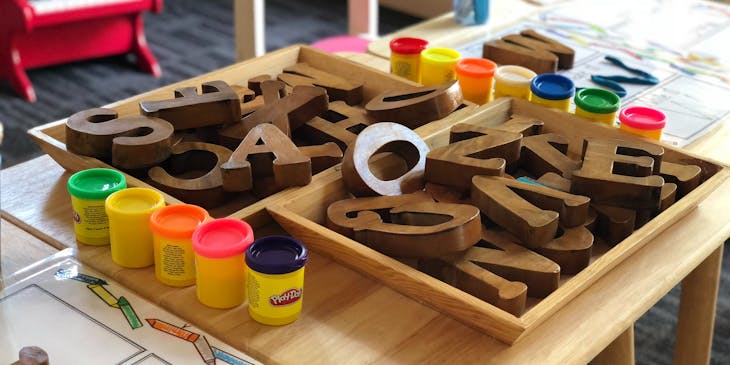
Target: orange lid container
(178, 221)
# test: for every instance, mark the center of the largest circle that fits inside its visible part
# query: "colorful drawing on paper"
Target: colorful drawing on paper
(645, 35)
(74, 315)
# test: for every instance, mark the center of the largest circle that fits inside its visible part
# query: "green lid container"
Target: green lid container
(599, 101)
(96, 184)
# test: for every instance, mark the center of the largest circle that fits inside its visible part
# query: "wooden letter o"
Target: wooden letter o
(358, 174)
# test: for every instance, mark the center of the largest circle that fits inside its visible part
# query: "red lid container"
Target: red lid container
(408, 45)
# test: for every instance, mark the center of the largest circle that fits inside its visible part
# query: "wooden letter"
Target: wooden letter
(509, 203)
(303, 104)
(192, 173)
(289, 166)
(530, 49)
(613, 224)
(129, 142)
(571, 249)
(472, 151)
(361, 180)
(340, 124)
(322, 156)
(620, 173)
(547, 153)
(500, 255)
(410, 225)
(337, 87)
(687, 177)
(416, 107)
(218, 104)
(555, 181)
(522, 125)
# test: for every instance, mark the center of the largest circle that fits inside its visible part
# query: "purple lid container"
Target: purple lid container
(276, 255)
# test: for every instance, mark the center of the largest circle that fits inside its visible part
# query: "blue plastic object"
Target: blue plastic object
(471, 12)
(552, 87)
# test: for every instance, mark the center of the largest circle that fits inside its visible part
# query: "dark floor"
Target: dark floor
(189, 38)
(192, 37)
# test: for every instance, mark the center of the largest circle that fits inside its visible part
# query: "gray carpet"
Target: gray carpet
(191, 37)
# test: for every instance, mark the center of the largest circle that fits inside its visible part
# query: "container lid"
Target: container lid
(134, 201)
(178, 221)
(514, 75)
(96, 183)
(641, 117)
(406, 45)
(475, 67)
(276, 255)
(552, 87)
(599, 101)
(221, 238)
(440, 55)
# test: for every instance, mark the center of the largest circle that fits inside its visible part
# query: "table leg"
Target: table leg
(697, 305)
(249, 28)
(620, 351)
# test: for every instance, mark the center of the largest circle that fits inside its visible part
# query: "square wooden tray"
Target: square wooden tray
(303, 216)
(51, 137)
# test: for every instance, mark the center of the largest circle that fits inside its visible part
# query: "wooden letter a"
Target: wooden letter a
(289, 166)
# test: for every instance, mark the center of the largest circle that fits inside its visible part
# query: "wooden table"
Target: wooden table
(350, 318)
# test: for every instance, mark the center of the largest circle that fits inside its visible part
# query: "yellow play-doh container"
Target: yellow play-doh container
(552, 91)
(476, 77)
(172, 231)
(88, 190)
(220, 246)
(643, 121)
(597, 104)
(405, 57)
(275, 279)
(129, 212)
(513, 81)
(437, 65)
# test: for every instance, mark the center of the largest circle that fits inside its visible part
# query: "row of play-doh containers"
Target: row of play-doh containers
(481, 80)
(186, 246)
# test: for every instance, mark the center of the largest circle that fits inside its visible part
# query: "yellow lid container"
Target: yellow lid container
(437, 65)
(129, 212)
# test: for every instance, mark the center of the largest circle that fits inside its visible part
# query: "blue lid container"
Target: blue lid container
(276, 255)
(552, 87)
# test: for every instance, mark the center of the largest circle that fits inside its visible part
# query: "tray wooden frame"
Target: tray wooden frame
(300, 211)
(304, 214)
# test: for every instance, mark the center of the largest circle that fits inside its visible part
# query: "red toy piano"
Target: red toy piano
(37, 33)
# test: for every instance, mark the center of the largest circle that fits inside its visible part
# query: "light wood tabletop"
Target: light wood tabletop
(350, 318)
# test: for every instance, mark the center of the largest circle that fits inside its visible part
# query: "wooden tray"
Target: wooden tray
(51, 137)
(303, 216)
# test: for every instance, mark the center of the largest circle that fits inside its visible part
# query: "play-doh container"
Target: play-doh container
(275, 279)
(129, 212)
(220, 246)
(476, 78)
(643, 121)
(599, 105)
(437, 65)
(405, 57)
(513, 81)
(172, 231)
(88, 190)
(552, 91)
